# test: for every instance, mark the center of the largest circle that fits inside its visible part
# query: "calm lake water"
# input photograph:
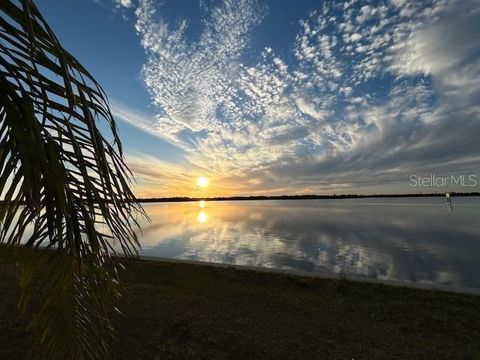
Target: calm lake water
(418, 240)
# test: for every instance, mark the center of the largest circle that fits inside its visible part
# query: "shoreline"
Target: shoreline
(299, 197)
(319, 275)
(304, 197)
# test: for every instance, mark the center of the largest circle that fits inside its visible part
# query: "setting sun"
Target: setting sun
(202, 182)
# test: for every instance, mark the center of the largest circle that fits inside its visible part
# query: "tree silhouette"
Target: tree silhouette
(64, 186)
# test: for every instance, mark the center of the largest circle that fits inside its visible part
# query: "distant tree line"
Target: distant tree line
(302, 197)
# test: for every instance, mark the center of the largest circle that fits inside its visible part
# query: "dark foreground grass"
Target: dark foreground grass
(178, 311)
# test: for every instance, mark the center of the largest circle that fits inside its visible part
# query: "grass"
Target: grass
(179, 311)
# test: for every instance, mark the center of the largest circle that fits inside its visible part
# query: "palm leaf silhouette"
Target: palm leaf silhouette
(64, 185)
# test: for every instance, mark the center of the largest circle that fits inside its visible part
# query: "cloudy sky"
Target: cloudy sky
(284, 97)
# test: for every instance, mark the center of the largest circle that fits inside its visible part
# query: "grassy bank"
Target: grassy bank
(189, 311)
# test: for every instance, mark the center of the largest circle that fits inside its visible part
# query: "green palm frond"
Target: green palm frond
(53, 158)
(64, 185)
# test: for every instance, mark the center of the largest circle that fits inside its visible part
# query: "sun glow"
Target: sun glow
(202, 217)
(202, 182)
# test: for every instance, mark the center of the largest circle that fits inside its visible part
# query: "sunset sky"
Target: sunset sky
(284, 97)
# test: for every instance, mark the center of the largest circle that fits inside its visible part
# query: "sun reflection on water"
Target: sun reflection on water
(202, 217)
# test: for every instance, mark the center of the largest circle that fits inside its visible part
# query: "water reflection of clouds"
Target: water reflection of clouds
(408, 242)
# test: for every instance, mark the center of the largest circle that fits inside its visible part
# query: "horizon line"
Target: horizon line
(301, 197)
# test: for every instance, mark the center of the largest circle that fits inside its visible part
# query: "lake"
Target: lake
(415, 240)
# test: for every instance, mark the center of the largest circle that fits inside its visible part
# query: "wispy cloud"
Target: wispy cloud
(133, 117)
(146, 122)
(155, 177)
(374, 93)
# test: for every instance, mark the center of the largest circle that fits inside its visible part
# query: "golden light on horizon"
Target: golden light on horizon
(201, 203)
(202, 182)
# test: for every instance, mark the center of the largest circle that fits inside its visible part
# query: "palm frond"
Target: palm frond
(61, 180)
(65, 172)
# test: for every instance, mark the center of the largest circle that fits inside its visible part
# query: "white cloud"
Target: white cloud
(124, 3)
(355, 37)
(448, 51)
(309, 110)
(344, 104)
(366, 13)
